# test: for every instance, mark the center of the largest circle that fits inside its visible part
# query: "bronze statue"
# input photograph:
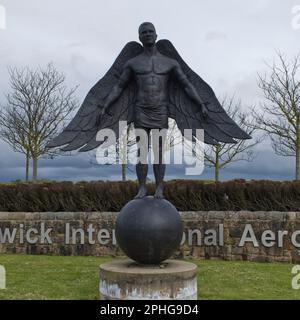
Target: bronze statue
(146, 85)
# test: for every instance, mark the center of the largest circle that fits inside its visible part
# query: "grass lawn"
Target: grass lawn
(57, 277)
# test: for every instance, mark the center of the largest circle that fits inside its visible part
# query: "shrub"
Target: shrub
(186, 195)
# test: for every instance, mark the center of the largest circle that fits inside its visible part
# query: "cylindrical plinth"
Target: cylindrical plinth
(124, 279)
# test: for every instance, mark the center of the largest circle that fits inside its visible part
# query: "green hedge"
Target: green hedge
(186, 195)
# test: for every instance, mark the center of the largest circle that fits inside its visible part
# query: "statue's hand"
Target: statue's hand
(204, 110)
(102, 112)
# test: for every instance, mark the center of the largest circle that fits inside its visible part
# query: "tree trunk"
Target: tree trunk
(35, 167)
(297, 173)
(27, 166)
(217, 164)
(124, 171)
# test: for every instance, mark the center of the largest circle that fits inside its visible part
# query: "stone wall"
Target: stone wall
(210, 235)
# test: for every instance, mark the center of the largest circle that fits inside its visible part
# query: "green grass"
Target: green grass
(57, 277)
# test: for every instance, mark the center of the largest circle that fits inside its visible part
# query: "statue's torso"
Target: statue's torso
(152, 75)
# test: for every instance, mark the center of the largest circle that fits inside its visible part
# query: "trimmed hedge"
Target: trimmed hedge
(186, 195)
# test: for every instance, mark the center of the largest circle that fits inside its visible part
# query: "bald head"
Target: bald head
(147, 34)
(147, 25)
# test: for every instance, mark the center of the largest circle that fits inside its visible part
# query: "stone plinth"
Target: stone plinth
(124, 279)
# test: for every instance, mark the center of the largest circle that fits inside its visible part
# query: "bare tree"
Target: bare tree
(36, 109)
(12, 131)
(125, 146)
(280, 115)
(220, 155)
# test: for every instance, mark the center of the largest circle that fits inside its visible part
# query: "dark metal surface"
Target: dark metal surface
(146, 85)
(149, 230)
(134, 70)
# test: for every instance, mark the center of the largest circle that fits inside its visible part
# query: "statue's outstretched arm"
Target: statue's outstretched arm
(189, 88)
(118, 88)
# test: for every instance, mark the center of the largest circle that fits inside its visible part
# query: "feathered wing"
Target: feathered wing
(218, 126)
(81, 131)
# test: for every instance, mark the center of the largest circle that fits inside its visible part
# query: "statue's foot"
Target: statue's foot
(159, 194)
(141, 193)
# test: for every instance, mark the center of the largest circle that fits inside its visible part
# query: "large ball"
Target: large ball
(149, 230)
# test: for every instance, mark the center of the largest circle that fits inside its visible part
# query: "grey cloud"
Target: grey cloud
(214, 35)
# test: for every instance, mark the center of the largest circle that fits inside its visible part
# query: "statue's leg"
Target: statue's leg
(159, 169)
(141, 172)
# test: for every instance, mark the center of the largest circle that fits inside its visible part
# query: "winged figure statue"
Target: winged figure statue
(145, 86)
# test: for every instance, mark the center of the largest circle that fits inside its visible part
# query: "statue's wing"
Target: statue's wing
(218, 126)
(81, 131)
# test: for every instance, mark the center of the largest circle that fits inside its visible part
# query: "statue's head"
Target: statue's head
(147, 34)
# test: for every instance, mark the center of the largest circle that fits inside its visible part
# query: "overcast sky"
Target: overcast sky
(225, 42)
